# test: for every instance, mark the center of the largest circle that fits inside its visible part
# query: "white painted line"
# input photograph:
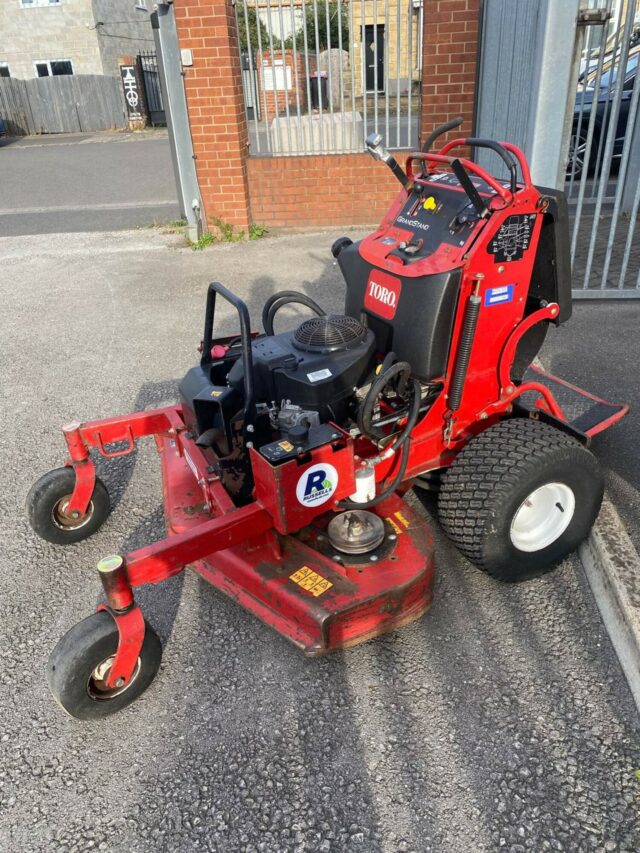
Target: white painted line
(70, 208)
(612, 565)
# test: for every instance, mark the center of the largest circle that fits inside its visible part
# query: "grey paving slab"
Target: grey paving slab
(500, 721)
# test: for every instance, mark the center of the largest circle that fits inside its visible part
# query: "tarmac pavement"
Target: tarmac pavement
(78, 182)
(500, 721)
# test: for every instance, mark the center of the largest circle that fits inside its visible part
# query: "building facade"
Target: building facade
(42, 38)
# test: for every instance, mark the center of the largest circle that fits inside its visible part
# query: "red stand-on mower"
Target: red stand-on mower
(285, 462)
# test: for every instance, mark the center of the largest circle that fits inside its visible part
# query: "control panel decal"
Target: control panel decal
(499, 295)
(382, 294)
(513, 238)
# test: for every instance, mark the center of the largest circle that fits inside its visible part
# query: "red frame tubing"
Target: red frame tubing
(469, 165)
(161, 560)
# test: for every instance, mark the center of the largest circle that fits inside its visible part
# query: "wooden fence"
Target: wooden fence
(64, 104)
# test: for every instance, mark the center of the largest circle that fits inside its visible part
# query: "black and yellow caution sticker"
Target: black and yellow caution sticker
(311, 581)
(396, 521)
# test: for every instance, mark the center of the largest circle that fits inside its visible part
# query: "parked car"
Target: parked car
(584, 106)
(3, 127)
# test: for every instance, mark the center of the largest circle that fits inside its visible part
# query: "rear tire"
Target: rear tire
(519, 498)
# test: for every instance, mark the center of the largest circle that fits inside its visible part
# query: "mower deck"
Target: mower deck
(295, 585)
(583, 411)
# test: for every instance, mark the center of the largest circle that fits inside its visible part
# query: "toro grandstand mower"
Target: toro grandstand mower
(285, 461)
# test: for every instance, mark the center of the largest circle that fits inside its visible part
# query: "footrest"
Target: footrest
(583, 411)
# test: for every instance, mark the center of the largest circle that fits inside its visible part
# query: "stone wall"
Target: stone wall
(40, 33)
(71, 30)
(118, 39)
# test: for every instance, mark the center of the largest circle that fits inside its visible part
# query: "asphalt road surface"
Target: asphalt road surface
(85, 182)
(499, 721)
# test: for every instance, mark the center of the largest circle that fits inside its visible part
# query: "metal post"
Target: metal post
(165, 36)
(633, 168)
(554, 67)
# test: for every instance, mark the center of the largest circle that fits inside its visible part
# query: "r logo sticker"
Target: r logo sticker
(317, 485)
(382, 294)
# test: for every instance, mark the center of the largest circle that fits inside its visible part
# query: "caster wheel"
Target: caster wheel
(519, 498)
(78, 667)
(47, 501)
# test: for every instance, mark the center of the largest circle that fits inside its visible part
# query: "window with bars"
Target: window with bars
(319, 75)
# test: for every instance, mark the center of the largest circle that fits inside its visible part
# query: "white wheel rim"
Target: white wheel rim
(543, 517)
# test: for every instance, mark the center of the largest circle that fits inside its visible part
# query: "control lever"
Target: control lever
(465, 181)
(379, 152)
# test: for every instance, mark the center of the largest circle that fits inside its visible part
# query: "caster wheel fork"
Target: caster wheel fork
(105, 662)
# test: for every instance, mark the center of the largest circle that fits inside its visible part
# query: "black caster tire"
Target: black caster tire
(519, 498)
(78, 667)
(45, 505)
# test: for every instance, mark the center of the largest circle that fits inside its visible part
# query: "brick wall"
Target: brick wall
(274, 100)
(319, 190)
(449, 50)
(216, 110)
(306, 191)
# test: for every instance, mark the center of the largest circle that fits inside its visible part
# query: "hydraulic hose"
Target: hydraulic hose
(283, 297)
(401, 369)
(403, 443)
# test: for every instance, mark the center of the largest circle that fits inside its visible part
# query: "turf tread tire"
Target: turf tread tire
(498, 464)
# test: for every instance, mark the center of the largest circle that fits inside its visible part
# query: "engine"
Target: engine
(301, 381)
(315, 368)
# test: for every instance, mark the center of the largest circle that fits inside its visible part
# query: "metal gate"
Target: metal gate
(603, 169)
(319, 75)
(148, 66)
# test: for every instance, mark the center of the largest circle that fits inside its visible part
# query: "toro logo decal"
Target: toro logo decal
(382, 294)
(317, 485)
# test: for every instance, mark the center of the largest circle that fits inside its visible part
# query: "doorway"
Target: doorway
(374, 49)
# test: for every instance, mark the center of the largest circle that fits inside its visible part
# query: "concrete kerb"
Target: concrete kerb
(612, 565)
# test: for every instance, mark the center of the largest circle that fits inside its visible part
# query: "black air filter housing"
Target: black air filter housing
(317, 366)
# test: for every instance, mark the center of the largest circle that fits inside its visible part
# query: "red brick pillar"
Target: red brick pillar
(449, 55)
(218, 121)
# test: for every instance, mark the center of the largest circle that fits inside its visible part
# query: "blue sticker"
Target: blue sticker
(498, 295)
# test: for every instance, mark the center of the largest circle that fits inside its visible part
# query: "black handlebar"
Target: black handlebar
(474, 142)
(444, 128)
(245, 332)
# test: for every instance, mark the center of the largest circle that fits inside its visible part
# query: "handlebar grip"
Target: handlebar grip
(474, 142)
(444, 128)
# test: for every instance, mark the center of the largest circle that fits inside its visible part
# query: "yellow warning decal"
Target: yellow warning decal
(286, 445)
(311, 581)
(397, 530)
(401, 519)
(217, 393)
